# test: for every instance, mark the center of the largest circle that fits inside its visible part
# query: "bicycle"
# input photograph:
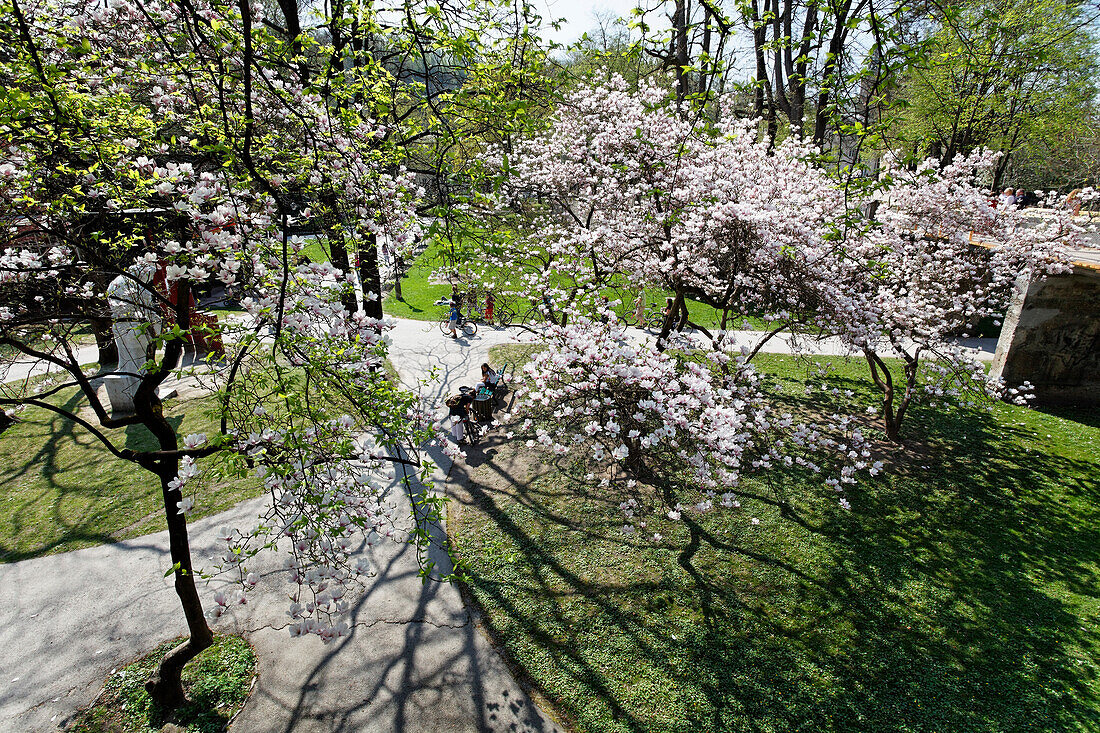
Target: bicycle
(652, 318)
(471, 430)
(538, 313)
(505, 315)
(467, 325)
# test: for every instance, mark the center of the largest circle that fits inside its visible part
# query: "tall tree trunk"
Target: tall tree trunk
(398, 271)
(999, 172)
(294, 34)
(165, 685)
(831, 70)
(759, 39)
(778, 15)
(337, 247)
(680, 22)
(369, 277)
(104, 340)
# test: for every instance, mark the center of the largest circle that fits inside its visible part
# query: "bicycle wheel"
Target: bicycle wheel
(469, 327)
(445, 325)
(506, 316)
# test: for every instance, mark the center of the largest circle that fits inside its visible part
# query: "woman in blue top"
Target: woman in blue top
(453, 323)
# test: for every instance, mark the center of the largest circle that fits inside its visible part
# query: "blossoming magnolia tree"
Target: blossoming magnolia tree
(941, 256)
(160, 148)
(621, 194)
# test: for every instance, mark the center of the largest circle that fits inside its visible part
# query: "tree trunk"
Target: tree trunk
(165, 686)
(893, 427)
(104, 340)
(398, 271)
(832, 68)
(369, 277)
(680, 19)
(337, 247)
(884, 380)
(671, 320)
(759, 39)
(999, 172)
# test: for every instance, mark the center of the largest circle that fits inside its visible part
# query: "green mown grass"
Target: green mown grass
(315, 250)
(62, 490)
(961, 593)
(217, 683)
(419, 296)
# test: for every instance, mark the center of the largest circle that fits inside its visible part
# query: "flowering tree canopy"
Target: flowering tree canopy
(153, 151)
(621, 194)
(940, 257)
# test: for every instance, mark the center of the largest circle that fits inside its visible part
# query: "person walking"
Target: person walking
(490, 301)
(639, 309)
(452, 321)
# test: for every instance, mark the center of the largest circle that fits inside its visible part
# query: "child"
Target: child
(459, 409)
(453, 320)
(489, 376)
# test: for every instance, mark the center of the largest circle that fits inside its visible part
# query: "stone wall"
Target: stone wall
(1051, 338)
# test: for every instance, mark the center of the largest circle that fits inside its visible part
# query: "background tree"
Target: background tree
(1002, 76)
(443, 80)
(1063, 156)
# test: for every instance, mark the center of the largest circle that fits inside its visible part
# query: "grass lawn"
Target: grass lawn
(217, 681)
(314, 250)
(420, 295)
(62, 490)
(961, 593)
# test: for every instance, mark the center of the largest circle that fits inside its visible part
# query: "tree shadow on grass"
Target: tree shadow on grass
(1089, 416)
(955, 598)
(960, 592)
(56, 474)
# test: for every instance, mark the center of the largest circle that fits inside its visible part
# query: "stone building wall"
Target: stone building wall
(1051, 338)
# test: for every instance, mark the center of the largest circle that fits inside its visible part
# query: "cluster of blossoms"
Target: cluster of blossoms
(596, 395)
(330, 488)
(620, 185)
(942, 255)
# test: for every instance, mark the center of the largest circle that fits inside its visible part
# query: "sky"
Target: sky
(580, 15)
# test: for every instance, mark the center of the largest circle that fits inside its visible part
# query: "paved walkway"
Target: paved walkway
(415, 660)
(416, 335)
